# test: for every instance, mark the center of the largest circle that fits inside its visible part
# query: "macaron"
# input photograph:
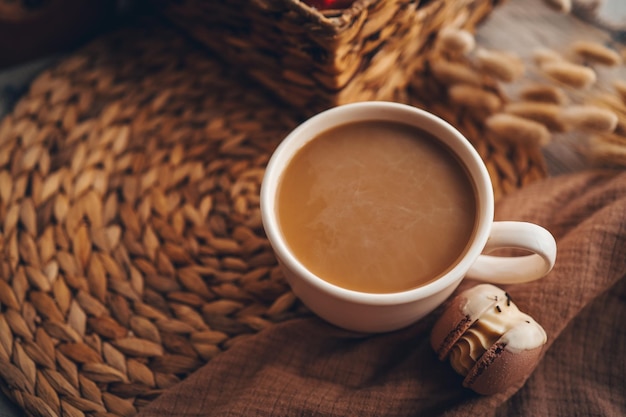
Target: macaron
(487, 339)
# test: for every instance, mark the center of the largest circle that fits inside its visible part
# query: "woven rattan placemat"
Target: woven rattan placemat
(131, 243)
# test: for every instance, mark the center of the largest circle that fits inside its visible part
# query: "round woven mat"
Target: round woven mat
(131, 247)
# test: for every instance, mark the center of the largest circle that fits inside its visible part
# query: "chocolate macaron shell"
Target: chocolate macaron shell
(499, 368)
(460, 314)
(509, 360)
(450, 327)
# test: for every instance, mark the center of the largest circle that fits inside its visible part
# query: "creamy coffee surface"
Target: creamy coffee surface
(376, 207)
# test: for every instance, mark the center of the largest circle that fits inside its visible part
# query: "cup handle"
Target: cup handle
(515, 270)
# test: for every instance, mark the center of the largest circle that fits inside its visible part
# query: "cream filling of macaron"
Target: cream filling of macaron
(504, 322)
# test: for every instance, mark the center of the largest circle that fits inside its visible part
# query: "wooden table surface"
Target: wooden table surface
(519, 26)
(522, 26)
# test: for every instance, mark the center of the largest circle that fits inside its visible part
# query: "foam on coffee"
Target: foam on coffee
(376, 207)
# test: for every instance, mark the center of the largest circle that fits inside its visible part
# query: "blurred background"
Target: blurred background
(34, 34)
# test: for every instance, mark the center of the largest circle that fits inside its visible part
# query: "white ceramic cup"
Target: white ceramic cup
(368, 312)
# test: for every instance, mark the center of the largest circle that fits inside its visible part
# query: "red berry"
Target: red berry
(329, 4)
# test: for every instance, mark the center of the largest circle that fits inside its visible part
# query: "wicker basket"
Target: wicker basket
(317, 59)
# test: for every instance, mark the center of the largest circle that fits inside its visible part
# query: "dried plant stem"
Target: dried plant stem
(615, 105)
(547, 114)
(474, 97)
(563, 6)
(455, 73)
(596, 53)
(455, 41)
(518, 130)
(543, 56)
(546, 93)
(620, 88)
(571, 75)
(500, 65)
(590, 118)
(608, 150)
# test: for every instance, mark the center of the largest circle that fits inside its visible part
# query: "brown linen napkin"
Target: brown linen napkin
(307, 368)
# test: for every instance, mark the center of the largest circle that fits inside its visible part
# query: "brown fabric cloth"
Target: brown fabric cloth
(308, 368)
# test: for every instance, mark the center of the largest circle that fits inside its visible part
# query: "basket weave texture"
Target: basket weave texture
(316, 60)
(131, 247)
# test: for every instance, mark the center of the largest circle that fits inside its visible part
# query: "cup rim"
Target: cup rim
(390, 111)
